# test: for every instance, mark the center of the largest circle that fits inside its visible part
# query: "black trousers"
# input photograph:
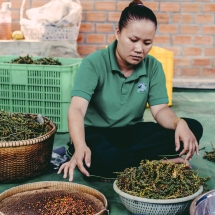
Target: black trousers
(114, 149)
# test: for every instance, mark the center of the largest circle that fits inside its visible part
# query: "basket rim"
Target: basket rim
(160, 201)
(6, 144)
(51, 184)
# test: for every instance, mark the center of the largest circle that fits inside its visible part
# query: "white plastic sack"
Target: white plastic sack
(60, 13)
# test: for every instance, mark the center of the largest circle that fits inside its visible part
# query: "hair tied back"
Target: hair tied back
(136, 3)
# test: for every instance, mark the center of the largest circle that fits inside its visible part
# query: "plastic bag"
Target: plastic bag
(58, 158)
(56, 20)
(60, 13)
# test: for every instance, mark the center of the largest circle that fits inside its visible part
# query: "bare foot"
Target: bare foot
(180, 160)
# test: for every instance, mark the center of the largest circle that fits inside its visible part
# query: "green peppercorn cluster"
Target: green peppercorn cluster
(210, 155)
(41, 61)
(159, 180)
(19, 126)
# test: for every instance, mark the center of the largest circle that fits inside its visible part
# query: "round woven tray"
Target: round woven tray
(21, 160)
(18, 194)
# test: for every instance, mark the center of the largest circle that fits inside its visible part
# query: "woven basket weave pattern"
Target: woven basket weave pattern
(50, 185)
(21, 160)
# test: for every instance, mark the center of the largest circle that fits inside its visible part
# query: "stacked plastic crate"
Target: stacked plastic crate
(38, 89)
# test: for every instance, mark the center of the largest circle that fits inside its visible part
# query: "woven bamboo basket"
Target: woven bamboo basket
(22, 160)
(16, 194)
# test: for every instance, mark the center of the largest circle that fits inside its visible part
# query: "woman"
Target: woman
(109, 98)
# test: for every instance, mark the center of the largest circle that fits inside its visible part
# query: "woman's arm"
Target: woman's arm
(76, 113)
(168, 119)
(163, 115)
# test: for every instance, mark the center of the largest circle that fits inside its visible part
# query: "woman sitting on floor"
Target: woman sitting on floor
(109, 97)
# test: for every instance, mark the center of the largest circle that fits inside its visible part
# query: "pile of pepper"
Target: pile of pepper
(19, 126)
(41, 61)
(54, 202)
(210, 155)
(159, 180)
(63, 204)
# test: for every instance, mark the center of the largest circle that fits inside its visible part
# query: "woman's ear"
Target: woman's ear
(117, 33)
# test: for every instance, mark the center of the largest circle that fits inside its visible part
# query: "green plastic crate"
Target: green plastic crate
(38, 89)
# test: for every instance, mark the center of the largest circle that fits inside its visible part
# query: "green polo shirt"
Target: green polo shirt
(114, 100)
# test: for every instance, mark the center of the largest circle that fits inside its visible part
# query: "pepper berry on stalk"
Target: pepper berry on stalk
(159, 180)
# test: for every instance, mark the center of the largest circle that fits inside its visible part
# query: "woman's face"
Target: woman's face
(134, 41)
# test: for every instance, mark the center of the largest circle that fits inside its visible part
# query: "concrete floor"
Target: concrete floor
(197, 104)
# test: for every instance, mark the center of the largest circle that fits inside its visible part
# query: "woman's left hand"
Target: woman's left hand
(184, 134)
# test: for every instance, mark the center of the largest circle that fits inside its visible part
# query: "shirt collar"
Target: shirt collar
(139, 69)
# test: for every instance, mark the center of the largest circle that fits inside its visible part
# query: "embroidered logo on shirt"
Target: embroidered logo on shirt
(141, 87)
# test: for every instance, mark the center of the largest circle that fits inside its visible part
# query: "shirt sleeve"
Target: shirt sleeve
(86, 80)
(158, 92)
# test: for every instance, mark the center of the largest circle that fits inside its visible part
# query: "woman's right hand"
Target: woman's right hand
(82, 154)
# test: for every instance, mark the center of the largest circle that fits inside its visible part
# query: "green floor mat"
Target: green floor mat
(197, 104)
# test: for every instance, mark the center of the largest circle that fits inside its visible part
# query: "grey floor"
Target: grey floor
(197, 104)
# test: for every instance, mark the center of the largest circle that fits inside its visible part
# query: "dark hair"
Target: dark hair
(136, 11)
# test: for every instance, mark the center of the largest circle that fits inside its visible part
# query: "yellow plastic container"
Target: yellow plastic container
(166, 58)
